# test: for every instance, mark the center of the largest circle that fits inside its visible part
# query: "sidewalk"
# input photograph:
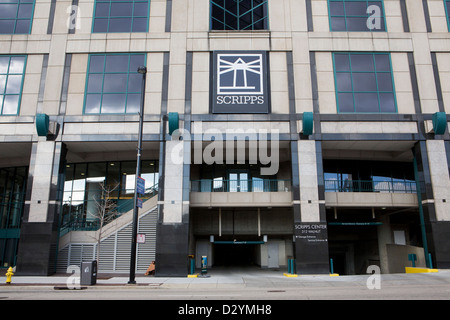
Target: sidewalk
(224, 279)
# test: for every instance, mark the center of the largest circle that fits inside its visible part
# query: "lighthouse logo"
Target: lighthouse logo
(240, 74)
(240, 82)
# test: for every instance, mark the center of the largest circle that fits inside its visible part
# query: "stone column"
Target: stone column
(310, 227)
(173, 227)
(439, 222)
(39, 232)
(384, 237)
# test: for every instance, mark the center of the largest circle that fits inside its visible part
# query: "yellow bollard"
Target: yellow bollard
(9, 275)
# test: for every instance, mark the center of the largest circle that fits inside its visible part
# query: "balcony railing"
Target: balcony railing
(370, 186)
(253, 185)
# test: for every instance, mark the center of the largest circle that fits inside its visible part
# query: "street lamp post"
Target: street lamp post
(142, 70)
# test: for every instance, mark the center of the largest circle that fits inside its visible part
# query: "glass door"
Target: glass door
(238, 181)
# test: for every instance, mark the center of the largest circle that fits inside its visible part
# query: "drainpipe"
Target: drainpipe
(422, 220)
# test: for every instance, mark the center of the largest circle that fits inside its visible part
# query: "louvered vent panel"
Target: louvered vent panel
(63, 260)
(123, 249)
(107, 256)
(76, 253)
(146, 251)
(87, 252)
(115, 249)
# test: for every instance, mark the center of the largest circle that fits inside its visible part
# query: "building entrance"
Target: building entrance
(353, 246)
(235, 254)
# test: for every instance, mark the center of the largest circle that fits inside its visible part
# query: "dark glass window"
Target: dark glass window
(356, 15)
(16, 16)
(83, 187)
(364, 83)
(12, 200)
(113, 84)
(121, 16)
(239, 15)
(368, 176)
(12, 70)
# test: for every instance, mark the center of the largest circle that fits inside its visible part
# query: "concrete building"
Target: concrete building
(312, 131)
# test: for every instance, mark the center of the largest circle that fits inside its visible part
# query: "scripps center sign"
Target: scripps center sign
(240, 82)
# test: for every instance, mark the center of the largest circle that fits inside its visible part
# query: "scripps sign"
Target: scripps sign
(240, 82)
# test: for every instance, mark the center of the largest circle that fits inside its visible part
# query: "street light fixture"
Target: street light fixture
(142, 70)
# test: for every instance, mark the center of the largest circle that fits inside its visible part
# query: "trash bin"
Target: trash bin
(88, 273)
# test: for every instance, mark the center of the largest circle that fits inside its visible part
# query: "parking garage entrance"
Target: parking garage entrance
(362, 237)
(234, 253)
(242, 237)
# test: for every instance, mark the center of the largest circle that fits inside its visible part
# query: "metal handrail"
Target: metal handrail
(237, 185)
(370, 186)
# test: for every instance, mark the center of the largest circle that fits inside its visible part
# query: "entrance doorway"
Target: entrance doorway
(238, 181)
(272, 255)
(235, 254)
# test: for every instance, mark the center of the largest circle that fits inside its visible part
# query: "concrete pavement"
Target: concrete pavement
(236, 278)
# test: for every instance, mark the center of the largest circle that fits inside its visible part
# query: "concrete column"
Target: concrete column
(384, 238)
(38, 236)
(307, 168)
(173, 229)
(440, 223)
(433, 175)
(310, 229)
(437, 159)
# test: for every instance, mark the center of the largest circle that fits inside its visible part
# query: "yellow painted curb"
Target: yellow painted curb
(290, 275)
(419, 270)
(334, 274)
(192, 275)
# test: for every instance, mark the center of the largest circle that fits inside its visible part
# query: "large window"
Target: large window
(113, 84)
(239, 15)
(12, 199)
(356, 15)
(368, 176)
(121, 16)
(364, 83)
(83, 187)
(12, 69)
(16, 16)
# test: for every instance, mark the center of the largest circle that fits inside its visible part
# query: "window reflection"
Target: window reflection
(239, 15)
(12, 70)
(113, 83)
(16, 16)
(356, 15)
(369, 176)
(121, 16)
(364, 83)
(83, 185)
(12, 196)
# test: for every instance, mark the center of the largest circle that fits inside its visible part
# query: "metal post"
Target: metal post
(142, 70)
(421, 216)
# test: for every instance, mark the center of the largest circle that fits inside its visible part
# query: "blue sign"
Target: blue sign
(140, 185)
(139, 203)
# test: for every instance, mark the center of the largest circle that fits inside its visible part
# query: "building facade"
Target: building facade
(311, 132)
